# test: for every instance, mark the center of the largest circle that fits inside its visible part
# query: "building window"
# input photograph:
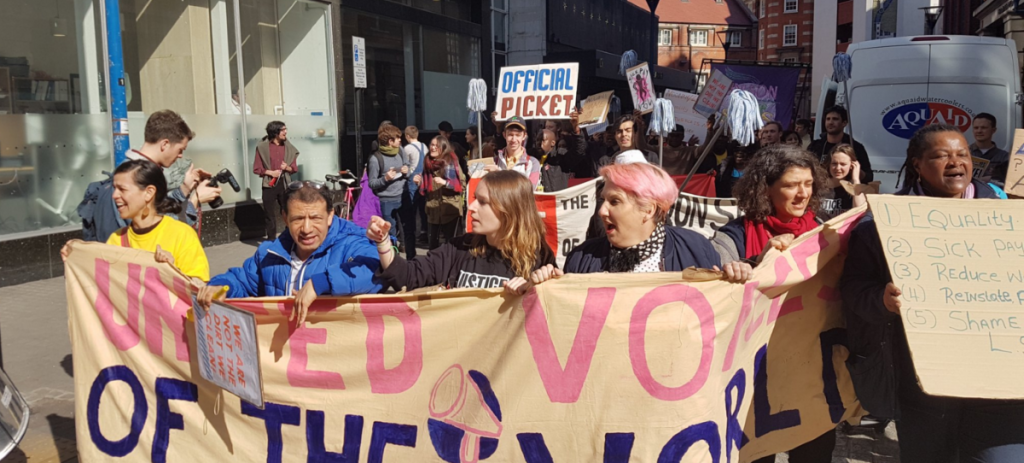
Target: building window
(698, 38)
(791, 6)
(735, 39)
(760, 39)
(761, 15)
(664, 37)
(789, 60)
(789, 35)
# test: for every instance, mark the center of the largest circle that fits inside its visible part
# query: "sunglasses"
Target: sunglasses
(297, 185)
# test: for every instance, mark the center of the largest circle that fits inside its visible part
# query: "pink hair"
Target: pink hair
(645, 183)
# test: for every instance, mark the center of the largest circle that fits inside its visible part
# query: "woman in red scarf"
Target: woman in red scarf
(778, 194)
(442, 183)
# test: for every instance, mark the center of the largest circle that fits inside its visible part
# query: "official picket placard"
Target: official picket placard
(957, 263)
(644, 367)
(1015, 171)
(641, 87)
(542, 91)
(694, 122)
(228, 351)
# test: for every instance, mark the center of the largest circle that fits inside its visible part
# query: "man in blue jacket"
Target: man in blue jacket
(316, 255)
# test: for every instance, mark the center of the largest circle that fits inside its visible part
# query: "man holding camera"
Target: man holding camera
(275, 162)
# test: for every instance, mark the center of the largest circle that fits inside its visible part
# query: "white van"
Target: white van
(899, 85)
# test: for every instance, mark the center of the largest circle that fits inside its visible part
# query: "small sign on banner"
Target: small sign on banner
(595, 109)
(711, 98)
(542, 91)
(1015, 171)
(359, 62)
(641, 87)
(228, 351)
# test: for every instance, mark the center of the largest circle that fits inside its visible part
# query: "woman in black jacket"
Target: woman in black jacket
(931, 428)
(506, 246)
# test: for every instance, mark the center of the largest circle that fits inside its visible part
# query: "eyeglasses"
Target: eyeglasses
(297, 185)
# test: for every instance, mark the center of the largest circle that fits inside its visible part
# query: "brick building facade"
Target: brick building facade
(690, 32)
(785, 30)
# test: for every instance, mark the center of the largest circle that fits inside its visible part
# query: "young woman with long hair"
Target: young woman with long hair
(843, 168)
(140, 194)
(506, 246)
(441, 184)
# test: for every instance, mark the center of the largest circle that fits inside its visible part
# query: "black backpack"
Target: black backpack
(99, 214)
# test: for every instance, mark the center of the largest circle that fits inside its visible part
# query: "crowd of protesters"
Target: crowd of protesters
(786, 184)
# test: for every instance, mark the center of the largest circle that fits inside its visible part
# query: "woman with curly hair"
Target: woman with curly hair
(506, 246)
(441, 183)
(778, 194)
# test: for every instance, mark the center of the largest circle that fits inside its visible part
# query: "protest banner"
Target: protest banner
(641, 87)
(682, 104)
(541, 91)
(957, 263)
(228, 351)
(773, 86)
(1015, 171)
(702, 215)
(467, 375)
(595, 109)
(713, 94)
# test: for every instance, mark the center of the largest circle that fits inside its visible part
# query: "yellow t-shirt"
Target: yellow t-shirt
(176, 238)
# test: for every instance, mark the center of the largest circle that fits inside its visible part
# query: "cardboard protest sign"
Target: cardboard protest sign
(641, 87)
(980, 167)
(595, 109)
(694, 122)
(227, 349)
(464, 375)
(541, 91)
(1015, 171)
(957, 263)
(477, 166)
(714, 93)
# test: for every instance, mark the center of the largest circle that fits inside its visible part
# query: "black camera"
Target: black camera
(224, 176)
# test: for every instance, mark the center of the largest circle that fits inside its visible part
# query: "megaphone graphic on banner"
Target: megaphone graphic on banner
(465, 401)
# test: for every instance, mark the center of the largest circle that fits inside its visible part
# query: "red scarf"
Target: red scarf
(440, 166)
(758, 233)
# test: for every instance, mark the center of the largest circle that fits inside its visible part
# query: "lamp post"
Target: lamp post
(931, 17)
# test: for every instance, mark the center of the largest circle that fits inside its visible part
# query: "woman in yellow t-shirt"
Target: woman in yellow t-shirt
(140, 194)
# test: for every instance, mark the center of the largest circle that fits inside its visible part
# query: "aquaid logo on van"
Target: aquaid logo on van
(904, 118)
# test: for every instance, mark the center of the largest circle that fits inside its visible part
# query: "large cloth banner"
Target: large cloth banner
(703, 215)
(774, 87)
(605, 367)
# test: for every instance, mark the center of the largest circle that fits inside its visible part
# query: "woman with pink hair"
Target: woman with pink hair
(637, 199)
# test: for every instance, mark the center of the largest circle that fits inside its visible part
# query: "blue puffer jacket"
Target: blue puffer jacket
(344, 265)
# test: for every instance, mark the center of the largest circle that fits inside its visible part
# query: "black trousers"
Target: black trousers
(818, 450)
(949, 430)
(438, 234)
(272, 198)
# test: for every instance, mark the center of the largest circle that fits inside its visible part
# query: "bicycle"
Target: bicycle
(342, 190)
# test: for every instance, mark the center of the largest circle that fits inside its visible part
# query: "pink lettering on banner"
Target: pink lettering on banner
(134, 287)
(804, 251)
(298, 373)
(829, 294)
(782, 269)
(795, 304)
(696, 301)
(121, 336)
(385, 380)
(749, 292)
(156, 303)
(564, 385)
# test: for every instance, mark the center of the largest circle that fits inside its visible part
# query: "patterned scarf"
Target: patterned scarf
(625, 260)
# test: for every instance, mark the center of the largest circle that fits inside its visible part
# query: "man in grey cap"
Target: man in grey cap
(514, 156)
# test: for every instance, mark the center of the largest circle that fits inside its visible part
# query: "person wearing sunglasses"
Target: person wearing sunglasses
(317, 254)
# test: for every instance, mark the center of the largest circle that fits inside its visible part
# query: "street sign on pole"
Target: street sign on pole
(359, 62)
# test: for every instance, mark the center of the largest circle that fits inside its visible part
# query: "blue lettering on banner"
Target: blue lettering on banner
(389, 433)
(542, 79)
(618, 446)
(533, 447)
(559, 82)
(506, 82)
(274, 415)
(317, 452)
(677, 446)
(125, 445)
(168, 389)
(830, 339)
(518, 78)
(529, 78)
(764, 421)
(568, 79)
(734, 435)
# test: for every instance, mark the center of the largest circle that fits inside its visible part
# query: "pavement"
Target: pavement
(37, 357)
